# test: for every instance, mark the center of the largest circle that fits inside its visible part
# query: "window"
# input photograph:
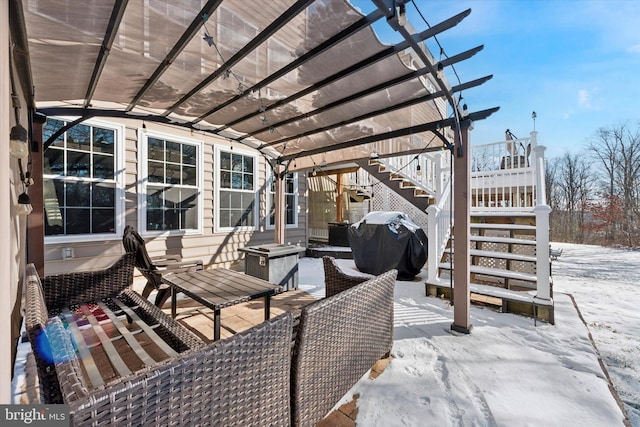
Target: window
(170, 190)
(236, 189)
(291, 200)
(82, 181)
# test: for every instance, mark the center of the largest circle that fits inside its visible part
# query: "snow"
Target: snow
(393, 219)
(509, 371)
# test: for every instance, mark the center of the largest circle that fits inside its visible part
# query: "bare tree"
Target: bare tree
(617, 152)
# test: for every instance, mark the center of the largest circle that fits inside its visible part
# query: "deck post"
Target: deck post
(543, 268)
(462, 230)
(280, 174)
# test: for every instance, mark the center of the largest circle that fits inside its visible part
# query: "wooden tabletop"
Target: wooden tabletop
(220, 287)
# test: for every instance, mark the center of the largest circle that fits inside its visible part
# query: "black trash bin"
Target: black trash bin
(275, 263)
(382, 241)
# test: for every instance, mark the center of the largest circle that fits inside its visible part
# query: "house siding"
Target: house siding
(213, 248)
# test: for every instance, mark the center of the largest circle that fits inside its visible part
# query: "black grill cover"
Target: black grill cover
(382, 241)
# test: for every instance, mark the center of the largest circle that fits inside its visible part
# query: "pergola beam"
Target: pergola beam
(112, 29)
(425, 127)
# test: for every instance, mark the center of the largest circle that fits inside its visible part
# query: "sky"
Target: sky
(574, 62)
(510, 371)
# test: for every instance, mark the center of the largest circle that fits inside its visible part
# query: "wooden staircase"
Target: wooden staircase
(503, 265)
(408, 190)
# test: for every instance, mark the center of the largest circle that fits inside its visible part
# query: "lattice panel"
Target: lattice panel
(387, 200)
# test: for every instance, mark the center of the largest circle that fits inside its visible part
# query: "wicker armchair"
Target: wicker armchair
(335, 280)
(338, 340)
(152, 268)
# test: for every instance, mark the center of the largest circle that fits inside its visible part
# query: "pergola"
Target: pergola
(306, 83)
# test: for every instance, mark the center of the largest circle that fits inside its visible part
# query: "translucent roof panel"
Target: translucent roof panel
(292, 78)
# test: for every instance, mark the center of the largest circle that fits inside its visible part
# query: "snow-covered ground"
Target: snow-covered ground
(508, 371)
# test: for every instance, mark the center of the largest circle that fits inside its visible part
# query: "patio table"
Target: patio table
(219, 288)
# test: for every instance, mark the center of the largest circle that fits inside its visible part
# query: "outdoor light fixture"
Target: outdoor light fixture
(465, 111)
(418, 170)
(18, 142)
(401, 13)
(439, 70)
(24, 205)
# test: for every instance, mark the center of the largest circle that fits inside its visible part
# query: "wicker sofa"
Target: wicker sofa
(251, 379)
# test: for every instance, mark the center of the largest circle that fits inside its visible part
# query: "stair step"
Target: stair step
(495, 272)
(490, 226)
(505, 294)
(502, 255)
(507, 240)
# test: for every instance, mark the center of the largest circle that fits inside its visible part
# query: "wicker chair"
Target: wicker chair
(337, 341)
(335, 280)
(152, 268)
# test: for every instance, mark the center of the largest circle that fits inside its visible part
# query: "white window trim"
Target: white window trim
(119, 178)
(216, 179)
(143, 135)
(268, 200)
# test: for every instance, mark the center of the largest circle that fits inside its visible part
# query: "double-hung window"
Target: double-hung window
(291, 200)
(237, 197)
(170, 192)
(83, 181)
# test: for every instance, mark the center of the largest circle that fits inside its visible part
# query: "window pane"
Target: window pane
(225, 180)
(248, 165)
(77, 221)
(155, 149)
(155, 219)
(189, 154)
(79, 137)
(49, 129)
(155, 172)
(54, 161)
(154, 198)
(225, 199)
(173, 174)
(78, 164)
(104, 195)
(103, 221)
(172, 219)
(225, 218)
(236, 181)
(248, 182)
(103, 166)
(189, 175)
(173, 152)
(104, 140)
(78, 193)
(236, 162)
(225, 161)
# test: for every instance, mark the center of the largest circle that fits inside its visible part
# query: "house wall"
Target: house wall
(12, 227)
(213, 248)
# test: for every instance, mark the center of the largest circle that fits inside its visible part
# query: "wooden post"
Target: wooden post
(462, 230)
(339, 201)
(279, 225)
